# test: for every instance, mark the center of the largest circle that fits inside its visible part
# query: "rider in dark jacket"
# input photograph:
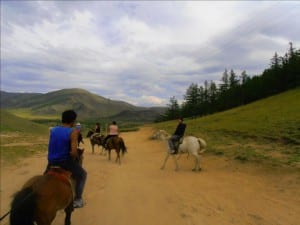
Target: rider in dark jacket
(179, 132)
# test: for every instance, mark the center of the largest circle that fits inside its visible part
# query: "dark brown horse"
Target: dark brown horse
(42, 196)
(96, 140)
(118, 144)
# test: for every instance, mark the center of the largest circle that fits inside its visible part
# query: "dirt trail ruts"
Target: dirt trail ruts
(137, 192)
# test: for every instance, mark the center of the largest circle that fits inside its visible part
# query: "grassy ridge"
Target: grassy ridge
(12, 123)
(20, 138)
(89, 106)
(268, 129)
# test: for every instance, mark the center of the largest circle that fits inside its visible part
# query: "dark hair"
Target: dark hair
(68, 116)
(114, 122)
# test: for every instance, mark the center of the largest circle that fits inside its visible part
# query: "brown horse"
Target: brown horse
(43, 195)
(118, 144)
(96, 140)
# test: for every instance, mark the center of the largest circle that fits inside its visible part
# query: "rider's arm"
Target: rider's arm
(74, 143)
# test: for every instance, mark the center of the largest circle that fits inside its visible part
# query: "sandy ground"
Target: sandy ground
(137, 192)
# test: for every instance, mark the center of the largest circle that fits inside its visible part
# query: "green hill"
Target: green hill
(269, 128)
(20, 138)
(12, 123)
(88, 105)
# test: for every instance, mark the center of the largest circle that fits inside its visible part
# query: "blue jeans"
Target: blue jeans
(174, 138)
(78, 173)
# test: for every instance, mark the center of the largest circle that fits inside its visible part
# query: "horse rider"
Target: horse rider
(80, 138)
(97, 130)
(112, 132)
(178, 134)
(62, 152)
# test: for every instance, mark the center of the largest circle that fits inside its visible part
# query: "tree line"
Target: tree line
(236, 90)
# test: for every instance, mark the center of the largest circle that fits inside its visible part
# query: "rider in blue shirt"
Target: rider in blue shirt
(62, 152)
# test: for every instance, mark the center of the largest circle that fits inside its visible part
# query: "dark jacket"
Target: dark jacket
(180, 129)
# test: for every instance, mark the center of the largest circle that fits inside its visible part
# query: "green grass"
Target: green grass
(17, 145)
(27, 114)
(20, 138)
(10, 122)
(264, 131)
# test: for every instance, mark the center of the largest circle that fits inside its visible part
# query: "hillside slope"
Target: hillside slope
(274, 118)
(86, 104)
(266, 129)
(12, 123)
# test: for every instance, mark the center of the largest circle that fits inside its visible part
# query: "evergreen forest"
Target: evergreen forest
(236, 90)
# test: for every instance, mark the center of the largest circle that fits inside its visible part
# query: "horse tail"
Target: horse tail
(22, 207)
(202, 145)
(123, 147)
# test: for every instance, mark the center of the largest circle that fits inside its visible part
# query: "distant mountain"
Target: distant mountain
(86, 104)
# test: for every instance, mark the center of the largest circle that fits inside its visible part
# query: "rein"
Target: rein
(6, 214)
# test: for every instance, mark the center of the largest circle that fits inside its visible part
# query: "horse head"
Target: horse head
(160, 135)
(90, 133)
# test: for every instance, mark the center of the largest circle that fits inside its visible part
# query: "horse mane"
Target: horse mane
(160, 135)
(25, 214)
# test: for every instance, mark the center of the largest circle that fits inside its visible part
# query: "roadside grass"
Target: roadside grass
(266, 131)
(20, 138)
(17, 145)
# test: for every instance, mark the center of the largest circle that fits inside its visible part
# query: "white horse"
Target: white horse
(190, 144)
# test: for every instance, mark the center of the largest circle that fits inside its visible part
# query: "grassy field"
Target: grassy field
(20, 138)
(265, 131)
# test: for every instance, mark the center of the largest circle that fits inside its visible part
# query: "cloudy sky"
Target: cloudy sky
(141, 52)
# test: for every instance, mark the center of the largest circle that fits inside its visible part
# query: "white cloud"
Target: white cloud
(140, 52)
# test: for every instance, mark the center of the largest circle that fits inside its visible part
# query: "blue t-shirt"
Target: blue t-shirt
(59, 144)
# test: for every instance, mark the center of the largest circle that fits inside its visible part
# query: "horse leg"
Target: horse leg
(165, 161)
(109, 150)
(92, 149)
(68, 212)
(118, 156)
(176, 163)
(197, 163)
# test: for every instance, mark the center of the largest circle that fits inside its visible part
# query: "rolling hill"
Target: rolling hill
(12, 123)
(265, 129)
(86, 104)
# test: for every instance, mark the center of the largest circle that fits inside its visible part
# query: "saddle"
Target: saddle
(60, 173)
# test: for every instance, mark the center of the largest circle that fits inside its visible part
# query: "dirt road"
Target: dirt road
(137, 192)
